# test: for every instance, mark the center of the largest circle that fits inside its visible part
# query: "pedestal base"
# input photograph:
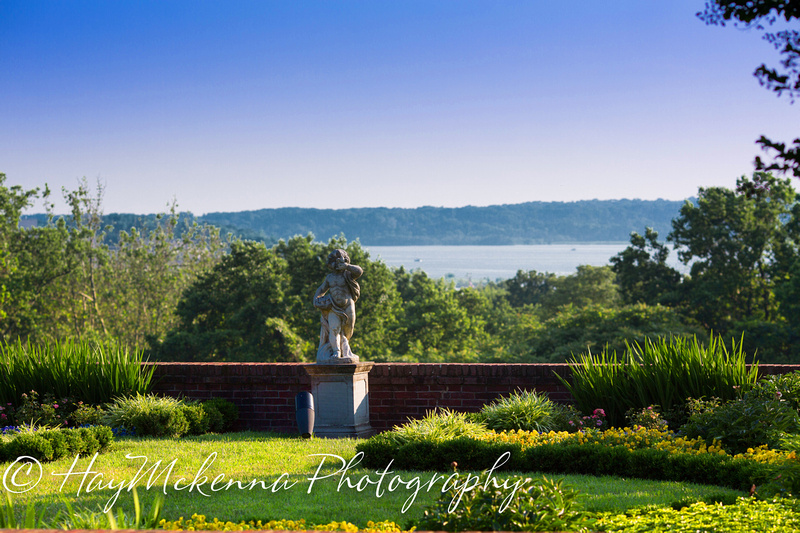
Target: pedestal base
(341, 399)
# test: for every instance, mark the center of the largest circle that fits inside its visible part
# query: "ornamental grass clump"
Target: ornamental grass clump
(436, 426)
(92, 372)
(663, 372)
(526, 410)
(151, 415)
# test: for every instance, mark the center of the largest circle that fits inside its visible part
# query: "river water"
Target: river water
(499, 262)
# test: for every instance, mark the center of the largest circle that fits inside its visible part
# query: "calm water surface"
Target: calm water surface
(499, 262)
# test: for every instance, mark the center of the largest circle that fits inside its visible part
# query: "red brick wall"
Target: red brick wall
(264, 392)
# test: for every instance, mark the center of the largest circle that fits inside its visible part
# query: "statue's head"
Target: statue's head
(335, 256)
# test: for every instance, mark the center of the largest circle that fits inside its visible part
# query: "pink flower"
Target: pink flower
(599, 423)
(571, 423)
(650, 408)
(55, 405)
(599, 412)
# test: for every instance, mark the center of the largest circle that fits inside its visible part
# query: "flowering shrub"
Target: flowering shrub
(648, 417)
(199, 523)
(641, 438)
(746, 515)
(7, 414)
(45, 411)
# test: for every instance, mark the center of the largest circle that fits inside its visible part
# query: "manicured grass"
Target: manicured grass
(263, 456)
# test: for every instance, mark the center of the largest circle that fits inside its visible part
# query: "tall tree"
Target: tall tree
(729, 239)
(529, 288)
(589, 285)
(643, 274)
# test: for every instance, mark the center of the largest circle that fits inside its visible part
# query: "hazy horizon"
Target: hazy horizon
(106, 212)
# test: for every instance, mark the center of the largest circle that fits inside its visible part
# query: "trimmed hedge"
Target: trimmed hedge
(52, 444)
(591, 459)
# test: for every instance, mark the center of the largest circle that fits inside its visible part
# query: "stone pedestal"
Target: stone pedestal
(341, 398)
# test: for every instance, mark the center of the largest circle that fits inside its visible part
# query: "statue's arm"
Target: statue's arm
(322, 288)
(355, 271)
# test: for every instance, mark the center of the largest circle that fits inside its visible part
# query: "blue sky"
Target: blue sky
(238, 105)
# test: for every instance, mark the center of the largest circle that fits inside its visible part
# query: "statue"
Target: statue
(336, 299)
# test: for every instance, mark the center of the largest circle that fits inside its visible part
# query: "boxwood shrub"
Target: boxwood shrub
(52, 444)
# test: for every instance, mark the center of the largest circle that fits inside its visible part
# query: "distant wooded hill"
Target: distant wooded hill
(528, 223)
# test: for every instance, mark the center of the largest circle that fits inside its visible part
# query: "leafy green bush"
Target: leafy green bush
(151, 415)
(526, 410)
(31, 444)
(746, 423)
(197, 418)
(86, 415)
(587, 456)
(47, 411)
(784, 387)
(222, 414)
(542, 505)
(52, 444)
(746, 515)
(663, 372)
(648, 417)
(93, 372)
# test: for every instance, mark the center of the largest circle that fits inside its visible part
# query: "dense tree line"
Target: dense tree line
(526, 223)
(179, 292)
(61, 279)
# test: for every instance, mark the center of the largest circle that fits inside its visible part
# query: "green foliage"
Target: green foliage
(589, 286)
(525, 223)
(151, 415)
(81, 519)
(86, 415)
(647, 417)
(529, 288)
(222, 414)
(224, 314)
(526, 410)
(746, 515)
(93, 372)
(32, 518)
(745, 423)
(728, 238)
(535, 505)
(53, 444)
(568, 418)
(254, 305)
(663, 372)
(595, 458)
(783, 387)
(44, 412)
(440, 324)
(576, 330)
(436, 426)
(642, 272)
(197, 418)
(60, 280)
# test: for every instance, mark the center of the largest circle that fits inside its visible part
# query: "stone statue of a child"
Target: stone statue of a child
(336, 299)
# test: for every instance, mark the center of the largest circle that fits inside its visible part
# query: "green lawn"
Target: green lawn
(292, 463)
